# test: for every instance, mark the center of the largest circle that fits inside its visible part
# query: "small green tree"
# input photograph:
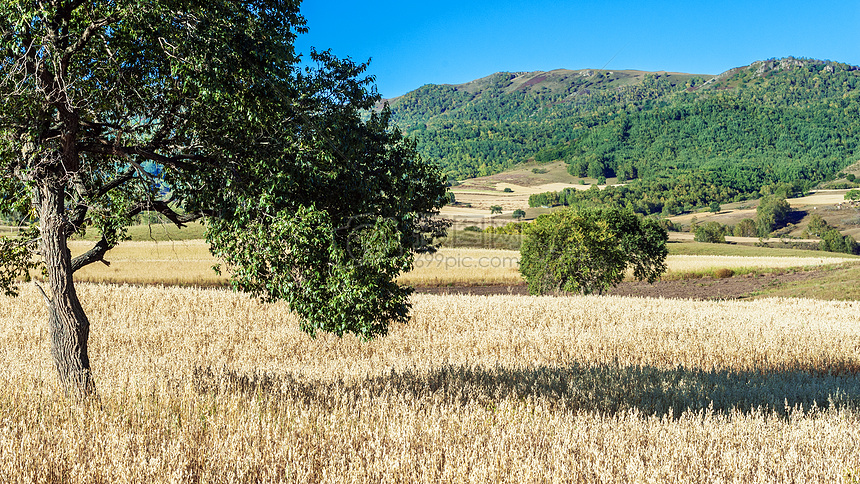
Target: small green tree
(745, 228)
(711, 232)
(496, 209)
(715, 207)
(519, 213)
(833, 241)
(589, 250)
(817, 226)
(771, 214)
(508, 190)
(852, 195)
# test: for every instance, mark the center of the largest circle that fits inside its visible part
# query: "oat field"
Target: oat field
(203, 385)
(189, 263)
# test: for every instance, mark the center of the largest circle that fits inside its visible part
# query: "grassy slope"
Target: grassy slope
(833, 284)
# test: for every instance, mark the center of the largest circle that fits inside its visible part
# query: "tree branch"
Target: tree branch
(96, 254)
(123, 177)
(79, 213)
(180, 162)
(85, 38)
(164, 209)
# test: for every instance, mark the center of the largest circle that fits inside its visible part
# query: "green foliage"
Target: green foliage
(771, 214)
(745, 228)
(711, 232)
(589, 250)
(508, 190)
(817, 226)
(495, 209)
(794, 189)
(666, 195)
(204, 109)
(518, 213)
(833, 241)
(16, 260)
(490, 124)
(852, 195)
(714, 207)
(513, 228)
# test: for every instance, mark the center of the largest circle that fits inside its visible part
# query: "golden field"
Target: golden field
(189, 263)
(204, 385)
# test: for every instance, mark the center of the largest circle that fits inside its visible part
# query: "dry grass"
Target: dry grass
(208, 386)
(685, 264)
(819, 197)
(465, 267)
(184, 263)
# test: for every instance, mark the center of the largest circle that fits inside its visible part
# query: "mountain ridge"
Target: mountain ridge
(773, 121)
(532, 75)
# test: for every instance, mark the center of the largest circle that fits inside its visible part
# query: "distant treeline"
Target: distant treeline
(667, 196)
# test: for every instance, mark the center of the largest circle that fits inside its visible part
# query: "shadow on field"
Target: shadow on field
(605, 389)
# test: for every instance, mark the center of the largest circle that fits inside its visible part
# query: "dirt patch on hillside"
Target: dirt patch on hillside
(703, 289)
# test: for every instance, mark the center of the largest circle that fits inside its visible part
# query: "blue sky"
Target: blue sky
(444, 41)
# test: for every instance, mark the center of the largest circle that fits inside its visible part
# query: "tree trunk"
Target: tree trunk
(68, 325)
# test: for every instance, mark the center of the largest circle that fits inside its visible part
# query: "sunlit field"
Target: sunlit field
(181, 262)
(679, 264)
(188, 262)
(211, 386)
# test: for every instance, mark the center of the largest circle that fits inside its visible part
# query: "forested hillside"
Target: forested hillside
(490, 124)
(700, 138)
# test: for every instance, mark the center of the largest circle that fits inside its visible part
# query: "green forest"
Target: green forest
(680, 140)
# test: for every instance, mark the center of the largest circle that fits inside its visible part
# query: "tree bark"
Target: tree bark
(68, 325)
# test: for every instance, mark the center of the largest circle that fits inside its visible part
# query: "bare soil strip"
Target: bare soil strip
(706, 288)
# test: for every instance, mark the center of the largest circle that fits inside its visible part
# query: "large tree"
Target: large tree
(202, 110)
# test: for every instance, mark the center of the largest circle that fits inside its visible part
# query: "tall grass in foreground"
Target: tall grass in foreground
(210, 386)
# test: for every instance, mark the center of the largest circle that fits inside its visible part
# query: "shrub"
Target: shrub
(817, 226)
(723, 273)
(711, 232)
(513, 228)
(834, 241)
(745, 228)
(508, 190)
(771, 214)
